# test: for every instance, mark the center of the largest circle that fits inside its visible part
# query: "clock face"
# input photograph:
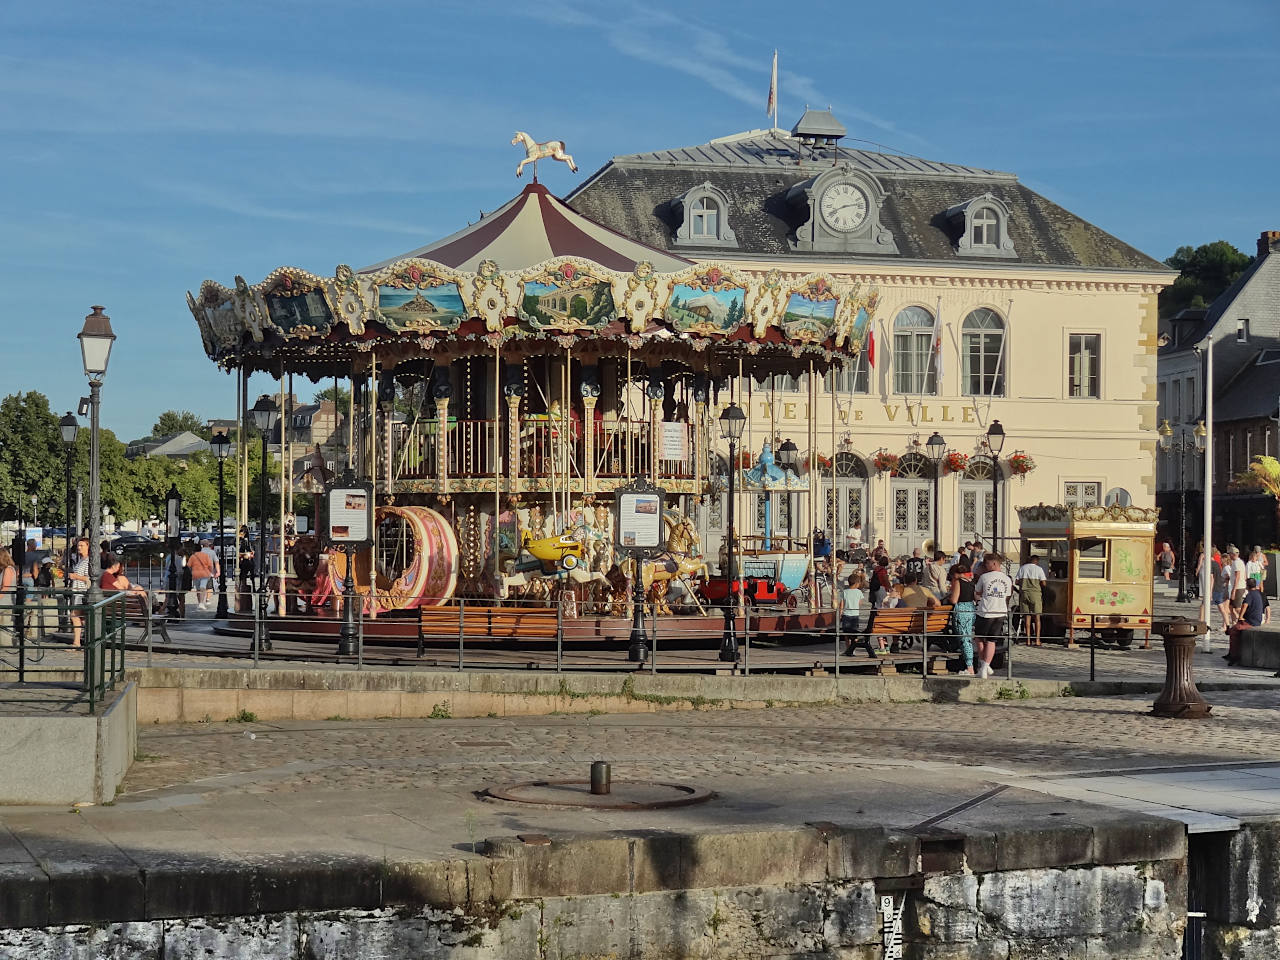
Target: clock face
(843, 207)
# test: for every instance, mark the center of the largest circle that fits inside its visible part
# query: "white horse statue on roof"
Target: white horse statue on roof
(534, 151)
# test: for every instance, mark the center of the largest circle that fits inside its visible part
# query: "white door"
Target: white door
(975, 513)
(845, 500)
(911, 521)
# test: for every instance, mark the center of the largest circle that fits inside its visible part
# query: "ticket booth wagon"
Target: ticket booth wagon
(1098, 562)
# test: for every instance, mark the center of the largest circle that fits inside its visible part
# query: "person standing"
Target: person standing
(1239, 577)
(79, 576)
(1031, 580)
(32, 563)
(962, 608)
(851, 598)
(992, 593)
(915, 565)
(935, 574)
(8, 586)
(975, 557)
(1167, 558)
(201, 564)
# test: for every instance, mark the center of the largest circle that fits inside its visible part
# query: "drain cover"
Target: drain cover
(623, 795)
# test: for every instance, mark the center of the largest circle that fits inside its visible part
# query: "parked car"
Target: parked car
(132, 547)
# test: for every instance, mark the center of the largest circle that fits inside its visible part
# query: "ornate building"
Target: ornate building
(995, 304)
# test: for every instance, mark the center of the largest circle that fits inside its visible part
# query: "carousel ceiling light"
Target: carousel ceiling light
(732, 422)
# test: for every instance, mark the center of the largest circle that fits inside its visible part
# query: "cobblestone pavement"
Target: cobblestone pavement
(1021, 737)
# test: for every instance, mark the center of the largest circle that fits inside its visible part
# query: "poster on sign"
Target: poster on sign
(640, 519)
(350, 515)
(673, 447)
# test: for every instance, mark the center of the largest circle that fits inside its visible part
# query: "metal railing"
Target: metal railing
(39, 620)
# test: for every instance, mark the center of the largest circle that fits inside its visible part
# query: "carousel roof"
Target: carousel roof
(531, 228)
(532, 277)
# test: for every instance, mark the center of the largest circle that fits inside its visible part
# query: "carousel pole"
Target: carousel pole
(810, 499)
(243, 466)
(286, 480)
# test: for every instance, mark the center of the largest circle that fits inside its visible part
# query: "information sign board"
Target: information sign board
(638, 523)
(349, 515)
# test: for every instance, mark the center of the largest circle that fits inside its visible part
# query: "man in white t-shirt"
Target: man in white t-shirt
(992, 592)
(1031, 580)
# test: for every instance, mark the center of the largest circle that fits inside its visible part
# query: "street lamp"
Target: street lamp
(70, 427)
(96, 338)
(995, 443)
(173, 534)
(937, 448)
(265, 414)
(221, 445)
(1189, 441)
(788, 457)
(732, 422)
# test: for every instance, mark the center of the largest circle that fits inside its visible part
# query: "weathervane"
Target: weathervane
(534, 151)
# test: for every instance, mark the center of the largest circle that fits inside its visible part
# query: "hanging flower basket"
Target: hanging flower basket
(823, 463)
(746, 459)
(955, 462)
(1020, 464)
(885, 461)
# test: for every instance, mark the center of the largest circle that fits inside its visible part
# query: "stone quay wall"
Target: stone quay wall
(1116, 887)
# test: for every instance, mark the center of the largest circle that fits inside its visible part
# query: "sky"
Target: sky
(147, 146)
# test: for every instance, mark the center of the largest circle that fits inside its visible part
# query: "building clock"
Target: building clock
(843, 206)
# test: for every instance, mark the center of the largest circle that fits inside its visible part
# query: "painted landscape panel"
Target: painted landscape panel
(436, 306)
(550, 304)
(690, 307)
(801, 308)
(304, 310)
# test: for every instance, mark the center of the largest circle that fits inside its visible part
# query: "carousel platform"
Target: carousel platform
(478, 624)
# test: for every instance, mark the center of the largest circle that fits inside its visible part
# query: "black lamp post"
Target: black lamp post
(788, 457)
(995, 443)
(173, 534)
(265, 414)
(937, 448)
(732, 422)
(221, 445)
(70, 428)
(1189, 441)
(96, 338)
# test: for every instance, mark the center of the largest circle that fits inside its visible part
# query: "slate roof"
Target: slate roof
(632, 194)
(1252, 393)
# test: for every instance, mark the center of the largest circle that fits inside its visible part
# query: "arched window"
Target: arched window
(913, 368)
(980, 468)
(702, 217)
(706, 218)
(915, 466)
(850, 465)
(985, 228)
(982, 354)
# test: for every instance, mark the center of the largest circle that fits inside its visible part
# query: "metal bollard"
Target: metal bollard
(601, 778)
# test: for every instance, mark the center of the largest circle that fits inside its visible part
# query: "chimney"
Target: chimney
(1268, 241)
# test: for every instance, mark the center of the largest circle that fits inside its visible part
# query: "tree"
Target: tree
(333, 392)
(1264, 475)
(31, 456)
(1204, 273)
(179, 421)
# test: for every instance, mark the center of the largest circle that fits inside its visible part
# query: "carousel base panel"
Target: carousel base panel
(487, 625)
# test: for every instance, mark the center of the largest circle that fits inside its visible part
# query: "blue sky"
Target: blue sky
(147, 146)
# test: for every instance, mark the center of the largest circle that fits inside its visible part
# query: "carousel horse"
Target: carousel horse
(534, 151)
(681, 560)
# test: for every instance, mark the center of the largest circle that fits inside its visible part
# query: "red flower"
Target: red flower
(714, 275)
(568, 270)
(287, 283)
(415, 274)
(820, 286)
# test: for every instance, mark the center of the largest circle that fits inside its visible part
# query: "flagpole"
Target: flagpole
(773, 90)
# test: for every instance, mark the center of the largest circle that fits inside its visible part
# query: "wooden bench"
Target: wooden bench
(503, 623)
(908, 626)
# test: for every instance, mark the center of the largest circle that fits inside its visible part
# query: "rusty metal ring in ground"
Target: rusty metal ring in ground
(624, 794)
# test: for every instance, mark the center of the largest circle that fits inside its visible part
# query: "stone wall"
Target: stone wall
(807, 893)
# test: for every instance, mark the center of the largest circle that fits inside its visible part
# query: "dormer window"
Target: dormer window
(982, 225)
(706, 219)
(985, 228)
(703, 215)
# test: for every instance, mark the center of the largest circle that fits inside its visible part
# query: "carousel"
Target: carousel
(504, 382)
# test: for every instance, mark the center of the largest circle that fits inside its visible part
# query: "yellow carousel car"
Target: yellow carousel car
(553, 552)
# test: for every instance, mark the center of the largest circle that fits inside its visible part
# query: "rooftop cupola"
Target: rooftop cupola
(818, 129)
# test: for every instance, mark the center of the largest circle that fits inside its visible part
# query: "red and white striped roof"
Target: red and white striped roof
(533, 227)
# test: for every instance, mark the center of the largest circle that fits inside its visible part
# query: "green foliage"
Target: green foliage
(244, 716)
(31, 457)
(440, 711)
(333, 392)
(1204, 273)
(179, 421)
